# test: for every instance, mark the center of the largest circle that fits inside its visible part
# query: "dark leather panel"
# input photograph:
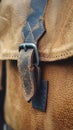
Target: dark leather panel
(39, 101)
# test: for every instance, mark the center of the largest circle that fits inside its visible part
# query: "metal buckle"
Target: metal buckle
(27, 46)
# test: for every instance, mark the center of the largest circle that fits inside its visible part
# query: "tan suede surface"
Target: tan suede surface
(56, 44)
(59, 115)
(12, 19)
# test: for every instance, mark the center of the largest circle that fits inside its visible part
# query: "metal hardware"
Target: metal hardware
(27, 46)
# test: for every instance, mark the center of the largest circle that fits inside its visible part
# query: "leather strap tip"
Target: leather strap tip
(28, 98)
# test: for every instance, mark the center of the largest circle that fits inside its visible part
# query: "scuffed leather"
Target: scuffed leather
(27, 73)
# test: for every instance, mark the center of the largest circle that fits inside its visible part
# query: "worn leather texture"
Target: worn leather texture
(56, 44)
(59, 114)
(27, 73)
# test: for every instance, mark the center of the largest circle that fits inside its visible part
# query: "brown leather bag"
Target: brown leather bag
(56, 52)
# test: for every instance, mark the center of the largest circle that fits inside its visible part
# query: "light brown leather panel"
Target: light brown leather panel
(56, 44)
(58, 40)
(12, 19)
(59, 115)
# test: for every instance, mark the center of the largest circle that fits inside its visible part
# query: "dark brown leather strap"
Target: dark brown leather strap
(28, 73)
(28, 61)
(26, 70)
(39, 100)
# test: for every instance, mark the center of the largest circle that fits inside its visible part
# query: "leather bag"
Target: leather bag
(56, 62)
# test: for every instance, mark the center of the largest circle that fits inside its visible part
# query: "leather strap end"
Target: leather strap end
(30, 91)
(27, 74)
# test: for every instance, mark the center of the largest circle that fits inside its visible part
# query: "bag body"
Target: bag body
(59, 114)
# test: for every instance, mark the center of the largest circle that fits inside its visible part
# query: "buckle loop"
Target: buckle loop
(27, 46)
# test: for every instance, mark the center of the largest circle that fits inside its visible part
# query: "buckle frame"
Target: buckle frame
(27, 46)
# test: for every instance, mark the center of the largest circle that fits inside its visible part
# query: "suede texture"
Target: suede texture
(12, 20)
(57, 43)
(20, 115)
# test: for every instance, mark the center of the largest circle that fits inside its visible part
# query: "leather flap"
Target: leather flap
(56, 44)
(58, 41)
